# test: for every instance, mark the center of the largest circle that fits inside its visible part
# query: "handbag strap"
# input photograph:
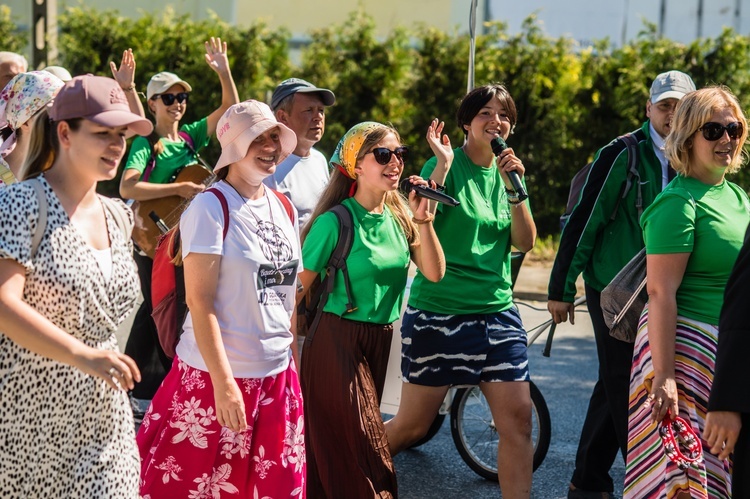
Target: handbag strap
(41, 224)
(629, 303)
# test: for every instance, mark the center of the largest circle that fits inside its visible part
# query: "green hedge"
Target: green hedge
(571, 101)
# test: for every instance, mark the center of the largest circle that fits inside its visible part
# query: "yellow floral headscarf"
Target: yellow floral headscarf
(345, 156)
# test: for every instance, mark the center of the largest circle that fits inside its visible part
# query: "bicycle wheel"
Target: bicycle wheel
(434, 429)
(475, 435)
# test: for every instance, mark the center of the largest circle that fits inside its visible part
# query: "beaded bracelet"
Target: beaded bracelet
(128, 89)
(419, 221)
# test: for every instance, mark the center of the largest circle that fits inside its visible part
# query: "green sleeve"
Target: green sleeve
(591, 215)
(198, 131)
(669, 224)
(140, 152)
(320, 242)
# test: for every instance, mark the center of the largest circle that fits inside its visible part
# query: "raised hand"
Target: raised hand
(125, 74)
(439, 142)
(216, 55)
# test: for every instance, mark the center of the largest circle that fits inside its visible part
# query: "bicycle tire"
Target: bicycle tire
(434, 429)
(475, 435)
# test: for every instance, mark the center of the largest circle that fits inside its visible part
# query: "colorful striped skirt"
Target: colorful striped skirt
(649, 473)
(185, 453)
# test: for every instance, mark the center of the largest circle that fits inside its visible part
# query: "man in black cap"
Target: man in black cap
(303, 175)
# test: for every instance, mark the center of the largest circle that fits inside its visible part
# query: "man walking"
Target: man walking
(303, 175)
(602, 234)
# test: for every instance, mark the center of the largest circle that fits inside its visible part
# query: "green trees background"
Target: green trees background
(571, 100)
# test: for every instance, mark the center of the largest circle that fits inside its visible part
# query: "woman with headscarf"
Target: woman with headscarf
(344, 366)
(21, 102)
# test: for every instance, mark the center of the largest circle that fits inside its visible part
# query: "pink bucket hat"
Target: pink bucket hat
(241, 124)
(100, 100)
(24, 96)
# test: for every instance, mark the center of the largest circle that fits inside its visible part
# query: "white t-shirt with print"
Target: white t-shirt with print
(257, 279)
(302, 180)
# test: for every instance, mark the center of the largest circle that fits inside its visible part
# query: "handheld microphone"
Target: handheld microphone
(498, 146)
(427, 192)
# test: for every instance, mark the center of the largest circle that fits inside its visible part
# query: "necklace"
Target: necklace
(273, 243)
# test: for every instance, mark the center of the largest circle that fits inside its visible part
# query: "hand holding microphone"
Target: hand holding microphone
(498, 146)
(427, 192)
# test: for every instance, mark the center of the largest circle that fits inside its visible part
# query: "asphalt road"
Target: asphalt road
(566, 378)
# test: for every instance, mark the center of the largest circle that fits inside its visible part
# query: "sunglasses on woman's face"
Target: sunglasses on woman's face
(383, 154)
(168, 99)
(713, 131)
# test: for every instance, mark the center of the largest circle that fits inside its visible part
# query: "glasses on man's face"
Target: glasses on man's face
(168, 99)
(383, 154)
(713, 131)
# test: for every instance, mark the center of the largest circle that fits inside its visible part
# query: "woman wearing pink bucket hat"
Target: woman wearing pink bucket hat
(67, 281)
(229, 413)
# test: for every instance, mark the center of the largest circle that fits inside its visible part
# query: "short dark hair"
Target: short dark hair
(475, 100)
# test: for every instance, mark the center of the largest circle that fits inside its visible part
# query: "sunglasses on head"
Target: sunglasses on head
(713, 131)
(168, 99)
(383, 154)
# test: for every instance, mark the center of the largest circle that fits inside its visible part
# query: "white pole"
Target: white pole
(472, 44)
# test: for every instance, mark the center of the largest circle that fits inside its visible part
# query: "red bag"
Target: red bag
(168, 280)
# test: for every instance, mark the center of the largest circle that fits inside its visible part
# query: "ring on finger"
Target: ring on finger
(112, 371)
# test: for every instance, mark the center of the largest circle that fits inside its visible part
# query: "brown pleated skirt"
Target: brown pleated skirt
(343, 373)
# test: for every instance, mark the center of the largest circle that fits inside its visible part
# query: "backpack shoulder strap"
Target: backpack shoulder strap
(224, 208)
(152, 139)
(121, 218)
(342, 250)
(633, 176)
(41, 225)
(285, 202)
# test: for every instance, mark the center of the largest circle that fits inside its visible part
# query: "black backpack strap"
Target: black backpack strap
(337, 261)
(632, 176)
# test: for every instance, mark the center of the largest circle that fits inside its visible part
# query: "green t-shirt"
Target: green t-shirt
(378, 263)
(475, 237)
(175, 156)
(707, 221)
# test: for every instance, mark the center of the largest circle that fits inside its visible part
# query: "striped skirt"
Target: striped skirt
(649, 473)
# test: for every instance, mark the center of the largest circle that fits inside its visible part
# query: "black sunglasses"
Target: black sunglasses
(713, 131)
(383, 154)
(168, 99)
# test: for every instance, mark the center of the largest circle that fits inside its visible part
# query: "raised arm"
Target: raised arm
(443, 151)
(125, 76)
(29, 329)
(522, 226)
(216, 58)
(428, 254)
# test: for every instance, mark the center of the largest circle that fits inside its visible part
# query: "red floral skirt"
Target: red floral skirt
(186, 453)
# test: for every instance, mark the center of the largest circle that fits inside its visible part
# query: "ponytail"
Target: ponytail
(44, 145)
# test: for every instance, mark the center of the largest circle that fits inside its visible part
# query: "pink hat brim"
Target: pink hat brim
(115, 118)
(237, 149)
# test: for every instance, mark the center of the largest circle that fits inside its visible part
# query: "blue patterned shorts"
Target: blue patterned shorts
(440, 350)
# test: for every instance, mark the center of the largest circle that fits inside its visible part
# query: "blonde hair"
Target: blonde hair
(340, 185)
(693, 111)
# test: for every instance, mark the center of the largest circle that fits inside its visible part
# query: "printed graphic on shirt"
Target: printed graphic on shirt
(271, 277)
(273, 242)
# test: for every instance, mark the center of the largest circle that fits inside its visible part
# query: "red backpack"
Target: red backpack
(168, 280)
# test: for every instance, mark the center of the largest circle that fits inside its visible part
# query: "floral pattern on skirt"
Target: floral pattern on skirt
(186, 453)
